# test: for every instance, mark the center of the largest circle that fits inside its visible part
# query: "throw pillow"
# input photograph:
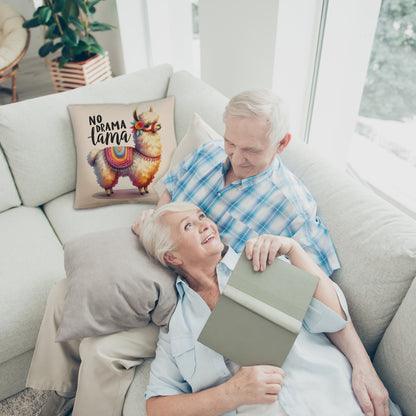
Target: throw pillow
(113, 285)
(198, 133)
(122, 151)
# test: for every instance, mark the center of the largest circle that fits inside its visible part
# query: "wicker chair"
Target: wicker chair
(14, 42)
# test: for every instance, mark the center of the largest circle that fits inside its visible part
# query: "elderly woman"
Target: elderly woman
(188, 378)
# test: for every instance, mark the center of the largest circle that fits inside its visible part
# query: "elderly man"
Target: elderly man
(242, 185)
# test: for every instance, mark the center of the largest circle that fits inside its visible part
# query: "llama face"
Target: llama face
(148, 120)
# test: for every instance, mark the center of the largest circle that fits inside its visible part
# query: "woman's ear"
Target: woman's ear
(170, 258)
(283, 143)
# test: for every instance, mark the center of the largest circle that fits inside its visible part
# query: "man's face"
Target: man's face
(247, 146)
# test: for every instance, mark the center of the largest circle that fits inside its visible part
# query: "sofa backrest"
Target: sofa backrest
(36, 135)
(8, 192)
(375, 242)
(194, 96)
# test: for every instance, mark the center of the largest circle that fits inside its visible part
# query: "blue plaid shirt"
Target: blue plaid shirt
(272, 202)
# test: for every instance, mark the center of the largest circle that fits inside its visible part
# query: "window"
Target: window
(383, 147)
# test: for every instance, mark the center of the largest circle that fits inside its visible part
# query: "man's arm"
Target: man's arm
(368, 388)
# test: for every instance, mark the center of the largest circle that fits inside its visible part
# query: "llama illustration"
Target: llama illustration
(140, 163)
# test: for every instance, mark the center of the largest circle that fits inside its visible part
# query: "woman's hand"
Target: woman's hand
(255, 385)
(264, 249)
(141, 219)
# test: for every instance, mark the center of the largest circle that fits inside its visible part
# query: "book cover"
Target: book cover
(259, 314)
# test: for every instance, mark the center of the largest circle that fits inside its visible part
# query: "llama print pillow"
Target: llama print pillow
(122, 151)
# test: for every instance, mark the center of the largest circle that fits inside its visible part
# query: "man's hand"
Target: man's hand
(141, 219)
(255, 385)
(264, 249)
(370, 392)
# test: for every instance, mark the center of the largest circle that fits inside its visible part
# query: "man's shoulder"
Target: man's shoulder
(212, 150)
(293, 188)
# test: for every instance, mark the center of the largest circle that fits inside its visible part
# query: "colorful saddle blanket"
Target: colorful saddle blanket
(120, 157)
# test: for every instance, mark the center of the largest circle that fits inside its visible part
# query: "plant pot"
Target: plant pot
(78, 74)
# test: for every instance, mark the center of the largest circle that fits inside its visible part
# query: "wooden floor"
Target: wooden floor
(33, 80)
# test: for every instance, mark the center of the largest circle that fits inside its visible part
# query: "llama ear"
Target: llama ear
(151, 109)
(135, 114)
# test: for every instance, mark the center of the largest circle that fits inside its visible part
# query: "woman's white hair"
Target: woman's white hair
(156, 235)
(262, 104)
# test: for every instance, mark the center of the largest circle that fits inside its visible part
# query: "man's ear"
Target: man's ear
(170, 258)
(283, 143)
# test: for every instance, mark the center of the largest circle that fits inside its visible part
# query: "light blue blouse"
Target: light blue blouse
(317, 375)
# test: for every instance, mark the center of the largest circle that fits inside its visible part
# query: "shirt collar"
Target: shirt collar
(224, 269)
(253, 179)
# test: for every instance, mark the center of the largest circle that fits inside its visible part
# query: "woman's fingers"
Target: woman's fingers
(262, 251)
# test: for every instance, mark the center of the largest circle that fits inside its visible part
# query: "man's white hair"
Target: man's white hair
(261, 104)
(156, 235)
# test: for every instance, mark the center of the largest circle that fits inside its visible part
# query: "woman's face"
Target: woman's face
(195, 236)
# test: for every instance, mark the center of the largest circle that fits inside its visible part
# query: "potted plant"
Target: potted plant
(68, 29)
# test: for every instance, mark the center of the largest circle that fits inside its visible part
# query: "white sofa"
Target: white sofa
(376, 244)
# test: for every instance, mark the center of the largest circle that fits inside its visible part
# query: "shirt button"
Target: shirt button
(219, 194)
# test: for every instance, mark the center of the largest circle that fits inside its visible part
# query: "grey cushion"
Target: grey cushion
(9, 196)
(31, 260)
(113, 286)
(394, 359)
(37, 138)
(375, 242)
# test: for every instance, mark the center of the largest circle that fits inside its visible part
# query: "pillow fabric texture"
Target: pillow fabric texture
(113, 286)
(122, 151)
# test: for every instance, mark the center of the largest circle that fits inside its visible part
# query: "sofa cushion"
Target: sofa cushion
(394, 359)
(114, 158)
(9, 196)
(375, 242)
(31, 259)
(113, 286)
(195, 96)
(37, 139)
(134, 404)
(69, 223)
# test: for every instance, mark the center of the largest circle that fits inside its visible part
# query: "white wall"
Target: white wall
(238, 42)
(170, 30)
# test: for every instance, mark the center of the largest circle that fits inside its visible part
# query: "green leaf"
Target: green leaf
(62, 61)
(77, 23)
(57, 46)
(92, 3)
(70, 37)
(34, 22)
(100, 27)
(81, 4)
(70, 9)
(45, 49)
(96, 48)
(58, 5)
(52, 31)
(44, 15)
(66, 52)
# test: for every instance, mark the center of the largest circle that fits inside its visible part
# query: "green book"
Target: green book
(259, 314)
